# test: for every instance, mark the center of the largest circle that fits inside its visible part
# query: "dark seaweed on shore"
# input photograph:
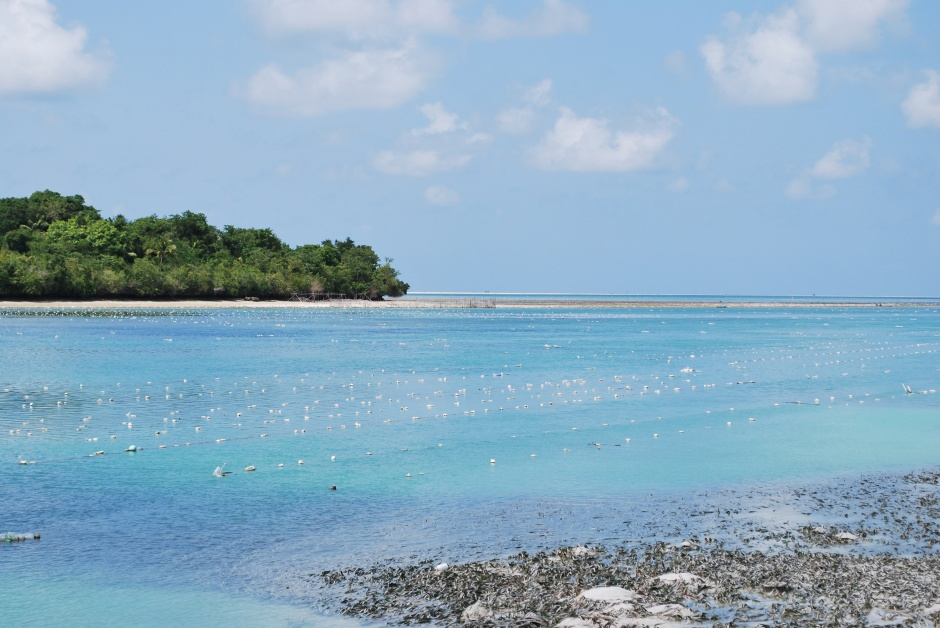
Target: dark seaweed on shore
(880, 569)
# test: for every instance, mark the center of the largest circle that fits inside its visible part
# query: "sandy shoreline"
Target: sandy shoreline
(433, 302)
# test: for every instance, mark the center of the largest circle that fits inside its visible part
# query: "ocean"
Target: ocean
(449, 435)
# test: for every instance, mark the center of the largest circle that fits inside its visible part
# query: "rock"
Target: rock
(608, 594)
(684, 577)
(441, 567)
(12, 537)
(619, 609)
(580, 550)
(505, 571)
(673, 611)
(931, 610)
(821, 530)
(848, 537)
(476, 612)
(882, 617)
(776, 587)
(651, 622)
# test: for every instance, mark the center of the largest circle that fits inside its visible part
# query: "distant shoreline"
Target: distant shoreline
(438, 302)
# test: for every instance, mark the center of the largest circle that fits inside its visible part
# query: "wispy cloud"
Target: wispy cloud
(804, 188)
(445, 143)
(521, 119)
(724, 187)
(922, 105)
(847, 158)
(418, 163)
(440, 195)
(680, 185)
(37, 55)
(589, 144)
(357, 19)
(676, 62)
(386, 58)
(367, 79)
(539, 95)
(383, 19)
(439, 120)
(516, 120)
(555, 17)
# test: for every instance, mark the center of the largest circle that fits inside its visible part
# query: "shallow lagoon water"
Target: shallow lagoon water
(551, 395)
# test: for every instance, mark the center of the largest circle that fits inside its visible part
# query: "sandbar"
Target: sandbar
(438, 302)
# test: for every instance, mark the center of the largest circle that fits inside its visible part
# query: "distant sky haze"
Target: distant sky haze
(607, 146)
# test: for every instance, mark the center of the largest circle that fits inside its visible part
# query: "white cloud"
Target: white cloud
(556, 17)
(368, 79)
(346, 173)
(773, 59)
(447, 125)
(847, 158)
(516, 120)
(724, 186)
(520, 120)
(440, 195)
(541, 94)
(804, 188)
(37, 55)
(390, 19)
(446, 143)
(588, 144)
(771, 65)
(418, 163)
(680, 185)
(380, 71)
(357, 19)
(439, 120)
(840, 25)
(922, 105)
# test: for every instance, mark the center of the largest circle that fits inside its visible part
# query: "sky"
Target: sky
(606, 146)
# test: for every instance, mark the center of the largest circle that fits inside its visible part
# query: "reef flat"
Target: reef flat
(861, 552)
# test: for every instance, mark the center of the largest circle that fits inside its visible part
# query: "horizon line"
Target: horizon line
(666, 294)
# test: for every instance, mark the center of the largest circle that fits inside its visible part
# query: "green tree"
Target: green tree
(53, 245)
(97, 237)
(241, 242)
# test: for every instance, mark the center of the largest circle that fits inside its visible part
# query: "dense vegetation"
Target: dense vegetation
(54, 246)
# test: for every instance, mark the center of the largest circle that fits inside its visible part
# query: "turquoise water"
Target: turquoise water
(594, 418)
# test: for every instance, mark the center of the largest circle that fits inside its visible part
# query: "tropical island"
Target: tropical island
(58, 247)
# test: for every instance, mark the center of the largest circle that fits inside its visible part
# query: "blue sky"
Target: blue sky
(537, 145)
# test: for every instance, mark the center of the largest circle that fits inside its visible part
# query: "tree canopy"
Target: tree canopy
(54, 246)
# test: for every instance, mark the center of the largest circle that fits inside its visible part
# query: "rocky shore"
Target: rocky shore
(861, 553)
